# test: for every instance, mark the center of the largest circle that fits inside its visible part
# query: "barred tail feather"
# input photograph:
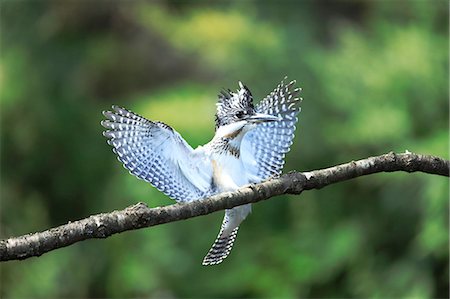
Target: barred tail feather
(221, 247)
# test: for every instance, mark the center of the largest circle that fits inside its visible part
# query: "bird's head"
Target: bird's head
(236, 113)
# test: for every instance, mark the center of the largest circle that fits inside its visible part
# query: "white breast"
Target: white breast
(228, 172)
(228, 175)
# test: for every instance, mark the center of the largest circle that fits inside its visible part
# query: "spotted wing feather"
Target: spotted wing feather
(154, 152)
(263, 149)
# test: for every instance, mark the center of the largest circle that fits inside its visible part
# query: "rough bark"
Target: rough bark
(140, 216)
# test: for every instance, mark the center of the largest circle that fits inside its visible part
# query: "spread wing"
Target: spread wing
(263, 149)
(154, 152)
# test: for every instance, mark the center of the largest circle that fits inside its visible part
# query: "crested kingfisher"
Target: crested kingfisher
(249, 146)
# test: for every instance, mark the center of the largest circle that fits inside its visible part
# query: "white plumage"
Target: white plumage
(249, 146)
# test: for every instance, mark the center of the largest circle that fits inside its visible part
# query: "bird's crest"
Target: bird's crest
(232, 106)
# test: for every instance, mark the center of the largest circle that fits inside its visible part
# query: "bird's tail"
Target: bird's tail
(228, 232)
(221, 247)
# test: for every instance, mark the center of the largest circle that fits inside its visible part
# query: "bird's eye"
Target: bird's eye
(240, 114)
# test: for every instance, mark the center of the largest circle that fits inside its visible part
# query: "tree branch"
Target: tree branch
(140, 216)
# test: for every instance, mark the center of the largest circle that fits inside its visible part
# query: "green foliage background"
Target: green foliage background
(375, 79)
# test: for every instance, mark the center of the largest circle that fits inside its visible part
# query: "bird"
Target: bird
(248, 147)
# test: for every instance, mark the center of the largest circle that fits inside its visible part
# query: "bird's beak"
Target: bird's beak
(260, 118)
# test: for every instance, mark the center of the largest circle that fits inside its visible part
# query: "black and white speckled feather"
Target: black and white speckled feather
(154, 152)
(263, 149)
(222, 245)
